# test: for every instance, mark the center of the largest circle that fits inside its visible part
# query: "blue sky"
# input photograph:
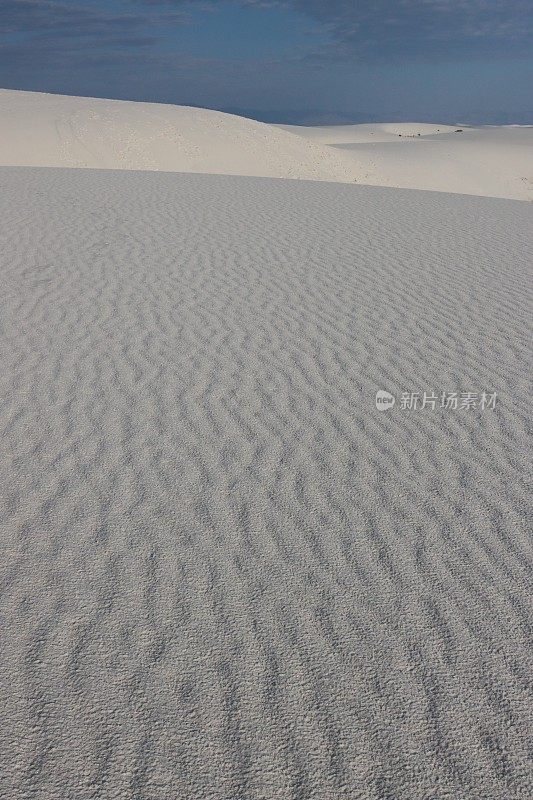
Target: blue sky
(282, 60)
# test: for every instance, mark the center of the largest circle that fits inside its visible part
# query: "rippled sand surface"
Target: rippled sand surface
(225, 574)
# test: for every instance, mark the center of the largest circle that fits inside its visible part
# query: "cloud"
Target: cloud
(30, 16)
(28, 19)
(359, 30)
(433, 27)
(371, 29)
(127, 48)
(44, 36)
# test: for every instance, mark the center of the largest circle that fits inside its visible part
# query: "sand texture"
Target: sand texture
(225, 574)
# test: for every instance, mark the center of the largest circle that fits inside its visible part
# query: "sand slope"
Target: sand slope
(226, 575)
(60, 131)
(489, 161)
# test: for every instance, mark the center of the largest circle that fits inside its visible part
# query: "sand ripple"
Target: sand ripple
(225, 574)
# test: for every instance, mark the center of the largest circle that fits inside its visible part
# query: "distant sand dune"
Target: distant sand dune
(225, 574)
(489, 161)
(372, 132)
(46, 130)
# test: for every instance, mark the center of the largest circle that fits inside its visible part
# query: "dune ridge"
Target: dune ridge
(46, 130)
(225, 574)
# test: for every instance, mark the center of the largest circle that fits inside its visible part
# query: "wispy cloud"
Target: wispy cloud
(370, 29)
(28, 19)
(380, 28)
(361, 30)
(137, 49)
(44, 37)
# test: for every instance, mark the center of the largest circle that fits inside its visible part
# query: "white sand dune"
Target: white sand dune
(47, 130)
(225, 574)
(490, 161)
(60, 131)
